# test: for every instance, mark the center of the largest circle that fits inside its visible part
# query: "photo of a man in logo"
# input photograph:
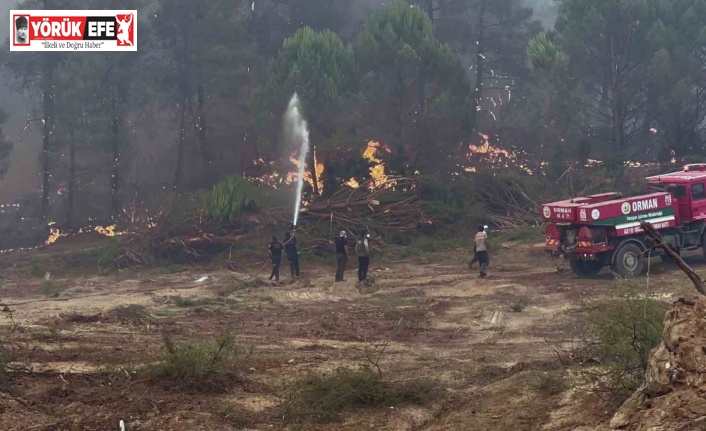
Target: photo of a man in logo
(21, 33)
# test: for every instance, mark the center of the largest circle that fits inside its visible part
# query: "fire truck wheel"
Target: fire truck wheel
(585, 269)
(628, 261)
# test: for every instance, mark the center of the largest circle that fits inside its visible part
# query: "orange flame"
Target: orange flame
(292, 176)
(377, 172)
(54, 234)
(107, 231)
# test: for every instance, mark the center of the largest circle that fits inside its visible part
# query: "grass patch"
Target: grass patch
(420, 246)
(518, 307)
(526, 235)
(487, 374)
(45, 334)
(48, 289)
(164, 314)
(7, 350)
(268, 299)
(547, 383)
(323, 399)
(204, 365)
(182, 302)
(238, 284)
(233, 415)
(38, 269)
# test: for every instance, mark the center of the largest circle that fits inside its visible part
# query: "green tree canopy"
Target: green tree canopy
(315, 65)
(411, 82)
(321, 69)
(607, 44)
(676, 87)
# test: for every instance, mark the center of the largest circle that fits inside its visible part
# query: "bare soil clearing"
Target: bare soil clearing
(85, 337)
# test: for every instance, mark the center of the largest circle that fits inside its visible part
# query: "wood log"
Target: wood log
(659, 243)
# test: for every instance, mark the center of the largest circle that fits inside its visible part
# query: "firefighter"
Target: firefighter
(275, 251)
(341, 254)
(475, 256)
(362, 249)
(480, 250)
(290, 247)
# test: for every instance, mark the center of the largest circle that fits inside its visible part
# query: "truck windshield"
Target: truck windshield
(677, 191)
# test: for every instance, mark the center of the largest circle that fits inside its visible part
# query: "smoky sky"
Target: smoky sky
(23, 175)
(544, 11)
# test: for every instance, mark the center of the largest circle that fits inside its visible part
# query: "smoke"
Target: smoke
(23, 174)
(545, 11)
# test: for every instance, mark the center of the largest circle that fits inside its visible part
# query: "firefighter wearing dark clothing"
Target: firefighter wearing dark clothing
(341, 254)
(480, 249)
(362, 249)
(290, 247)
(275, 250)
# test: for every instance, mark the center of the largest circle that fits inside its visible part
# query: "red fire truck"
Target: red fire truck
(602, 230)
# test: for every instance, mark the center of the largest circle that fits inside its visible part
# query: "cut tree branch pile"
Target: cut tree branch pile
(391, 207)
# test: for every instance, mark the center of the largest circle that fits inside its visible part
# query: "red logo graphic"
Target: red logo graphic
(126, 29)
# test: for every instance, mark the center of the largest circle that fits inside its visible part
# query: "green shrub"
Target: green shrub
(230, 199)
(621, 333)
(108, 254)
(547, 383)
(207, 364)
(323, 398)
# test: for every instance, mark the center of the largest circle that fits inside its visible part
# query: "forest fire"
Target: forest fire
(377, 171)
(54, 234)
(292, 176)
(352, 183)
(490, 152)
(108, 231)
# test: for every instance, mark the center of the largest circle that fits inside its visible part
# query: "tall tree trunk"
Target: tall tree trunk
(115, 146)
(48, 130)
(180, 148)
(72, 179)
(480, 48)
(240, 149)
(422, 78)
(314, 176)
(201, 128)
(618, 107)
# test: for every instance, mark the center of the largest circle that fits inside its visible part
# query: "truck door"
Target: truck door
(698, 201)
(683, 202)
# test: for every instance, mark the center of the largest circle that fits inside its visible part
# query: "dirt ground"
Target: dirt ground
(81, 339)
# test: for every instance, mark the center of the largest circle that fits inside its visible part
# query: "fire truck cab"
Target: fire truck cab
(602, 230)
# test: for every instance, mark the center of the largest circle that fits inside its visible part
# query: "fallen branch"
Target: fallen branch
(659, 243)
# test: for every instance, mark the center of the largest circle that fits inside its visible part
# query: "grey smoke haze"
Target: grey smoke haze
(544, 11)
(23, 175)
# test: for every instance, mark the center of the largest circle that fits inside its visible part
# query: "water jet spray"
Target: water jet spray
(296, 130)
